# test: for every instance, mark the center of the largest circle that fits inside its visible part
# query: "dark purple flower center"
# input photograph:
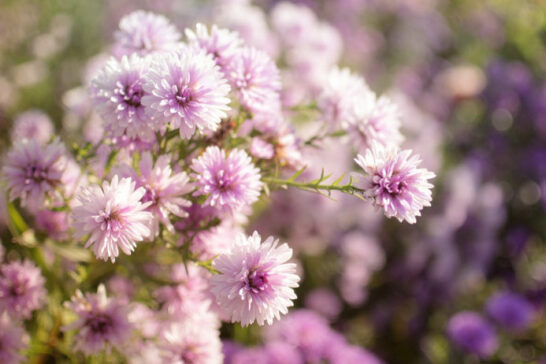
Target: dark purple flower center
(222, 182)
(150, 195)
(189, 356)
(257, 280)
(393, 185)
(184, 96)
(131, 94)
(34, 174)
(99, 323)
(111, 222)
(17, 289)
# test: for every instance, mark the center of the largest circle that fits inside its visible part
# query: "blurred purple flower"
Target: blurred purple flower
(470, 332)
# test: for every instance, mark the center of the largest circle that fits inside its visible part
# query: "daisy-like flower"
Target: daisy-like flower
(394, 182)
(113, 216)
(143, 33)
(21, 288)
(221, 44)
(185, 342)
(32, 124)
(102, 322)
(379, 124)
(255, 282)
(13, 339)
(164, 189)
(117, 93)
(187, 90)
(261, 149)
(342, 92)
(230, 182)
(255, 79)
(35, 173)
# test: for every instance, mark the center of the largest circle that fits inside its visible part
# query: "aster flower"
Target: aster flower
(188, 91)
(220, 43)
(13, 339)
(35, 173)
(114, 217)
(54, 223)
(379, 124)
(164, 189)
(510, 310)
(143, 33)
(255, 282)
(259, 148)
(117, 93)
(102, 322)
(185, 342)
(470, 332)
(229, 182)
(341, 94)
(21, 288)
(394, 182)
(255, 79)
(32, 125)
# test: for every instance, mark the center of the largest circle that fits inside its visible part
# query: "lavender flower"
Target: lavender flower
(21, 289)
(190, 343)
(164, 189)
(117, 93)
(259, 148)
(32, 125)
(395, 183)
(13, 339)
(186, 90)
(220, 43)
(230, 182)
(510, 310)
(144, 33)
(114, 217)
(255, 79)
(102, 322)
(471, 333)
(35, 173)
(255, 282)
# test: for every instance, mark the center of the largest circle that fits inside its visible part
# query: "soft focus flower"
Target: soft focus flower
(164, 189)
(13, 339)
(229, 182)
(394, 182)
(117, 93)
(187, 342)
(470, 332)
(54, 223)
(261, 149)
(101, 322)
(255, 282)
(255, 79)
(32, 125)
(279, 352)
(21, 289)
(144, 33)
(325, 302)
(187, 90)
(114, 217)
(34, 172)
(510, 310)
(220, 43)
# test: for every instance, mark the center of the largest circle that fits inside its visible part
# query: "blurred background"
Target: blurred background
(470, 79)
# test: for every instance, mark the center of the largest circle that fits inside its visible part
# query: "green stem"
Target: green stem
(314, 186)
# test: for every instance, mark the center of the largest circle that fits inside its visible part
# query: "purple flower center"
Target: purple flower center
(184, 96)
(17, 289)
(243, 81)
(257, 280)
(110, 221)
(150, 195)
(34, 174)
(393, 185)
(99, 323)
(189, 356)
(131, 94)
(222, 181)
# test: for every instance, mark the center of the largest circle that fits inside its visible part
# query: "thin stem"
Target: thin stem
(315, 186)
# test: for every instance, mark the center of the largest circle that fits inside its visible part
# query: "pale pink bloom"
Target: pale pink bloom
(21, 289)
(255, 280)
(186, 342)
(221, 44)
(113, 216)
(13, 339)
(261, 149)
(32, 124)
(394, 182)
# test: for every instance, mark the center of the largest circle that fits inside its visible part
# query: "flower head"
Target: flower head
(394, 182)
(187, 90)
(102, 322)
(21, 288)
(221, 44)
(510, 310)
(185, 342)
(230, 182)
(13, 339)
(143, 33)
(470, 332)
(32, 124)
(255, 79)
(117, 93)
(113, 216)
(35, 173)
(255, 282)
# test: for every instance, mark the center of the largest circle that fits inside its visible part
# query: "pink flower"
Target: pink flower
(259, 148)
(13, 339)
(114, 217)
(187, 342)
(21, 289)
(102, 322)
(231, 182)
(255, 282)
(32, 124)
(220, 43)
(394, 182)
